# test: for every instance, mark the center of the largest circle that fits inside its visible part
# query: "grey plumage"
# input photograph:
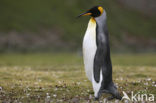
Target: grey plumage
(102, 58)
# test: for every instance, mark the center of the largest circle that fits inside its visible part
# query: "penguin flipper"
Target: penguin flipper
(100, 59)
(98, 62)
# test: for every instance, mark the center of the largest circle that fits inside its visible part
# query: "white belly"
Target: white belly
(89, 49)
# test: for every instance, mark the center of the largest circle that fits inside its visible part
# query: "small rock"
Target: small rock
(116, 101)
(154, 85)
(28, 95)
(75, 100)
(105, 100)
(90, 97)
(47, 94)
(78, 83)
(126, 101)
(0, 88)
(48, 97)
(55, 95)
(148, 79)
(145, 83)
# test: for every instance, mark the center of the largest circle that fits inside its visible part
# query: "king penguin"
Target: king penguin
(96, 54)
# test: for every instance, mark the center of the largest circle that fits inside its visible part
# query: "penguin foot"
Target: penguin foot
(118, 97)
(110, 98)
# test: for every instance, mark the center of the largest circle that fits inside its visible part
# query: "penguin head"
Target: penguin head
(94, 12)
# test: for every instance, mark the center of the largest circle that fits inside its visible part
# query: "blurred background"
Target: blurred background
(40, 49)
(51, 25)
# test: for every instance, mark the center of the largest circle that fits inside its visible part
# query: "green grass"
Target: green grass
(60, 77)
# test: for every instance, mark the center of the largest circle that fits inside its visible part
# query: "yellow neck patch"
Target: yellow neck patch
(92, 20)
(92, 23)
(100, 9)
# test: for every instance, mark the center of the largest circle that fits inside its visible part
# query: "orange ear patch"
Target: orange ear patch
(100, 9)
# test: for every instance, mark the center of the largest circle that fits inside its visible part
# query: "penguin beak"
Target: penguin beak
(85, 14)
